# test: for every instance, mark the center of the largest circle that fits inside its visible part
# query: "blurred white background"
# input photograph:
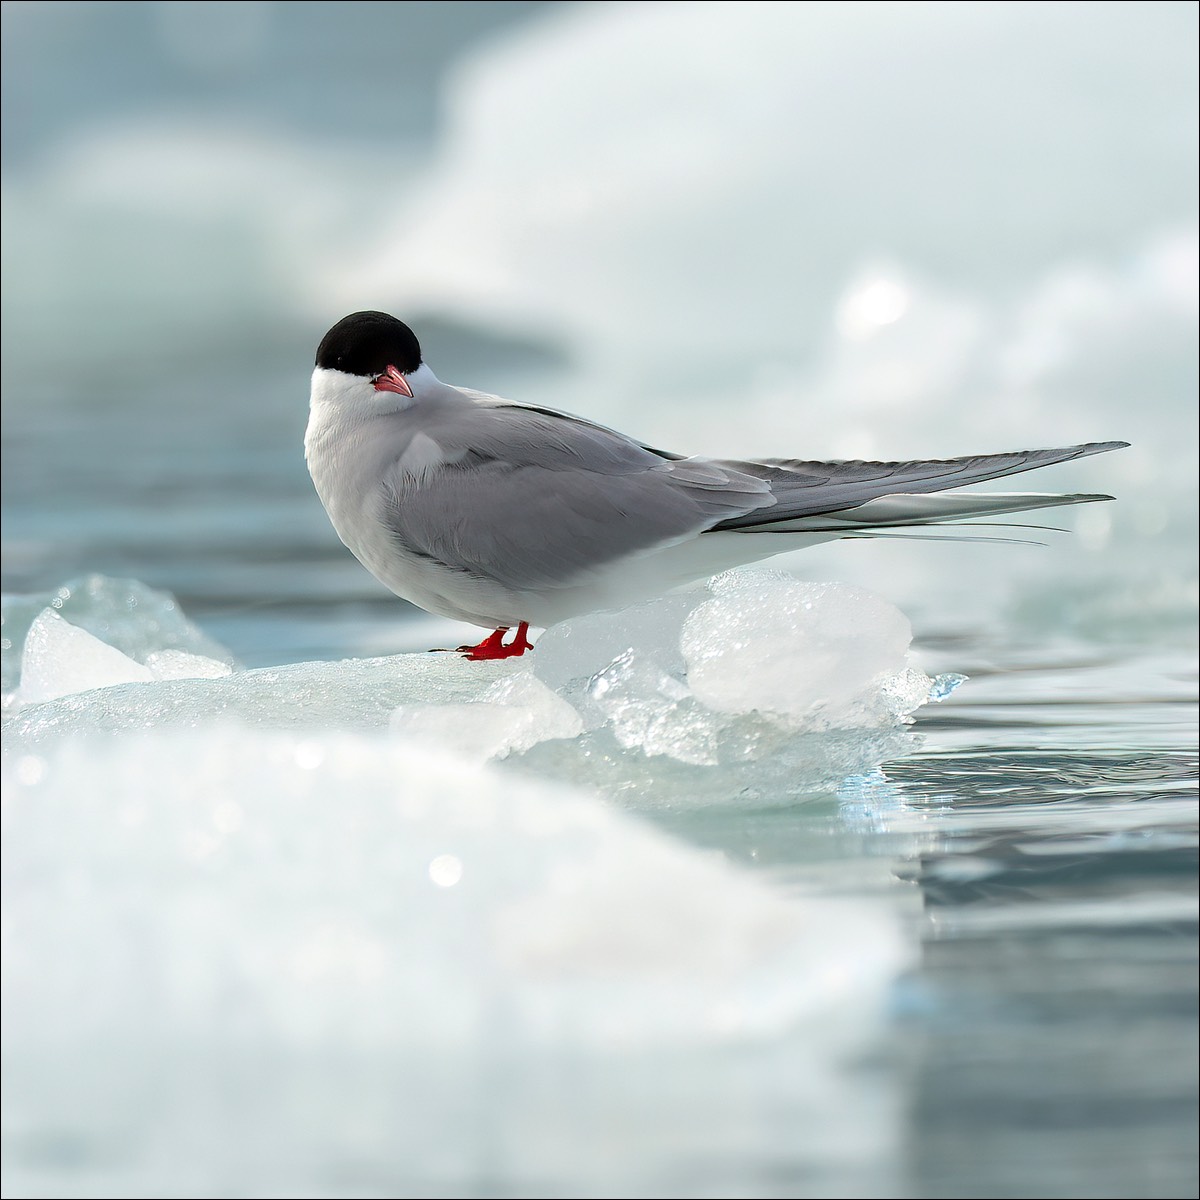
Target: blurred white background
(815, 230)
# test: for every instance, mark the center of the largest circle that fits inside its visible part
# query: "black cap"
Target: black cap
(367, 343)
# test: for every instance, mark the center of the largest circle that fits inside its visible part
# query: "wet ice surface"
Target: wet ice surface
(299, 901)
(379, 919)
(301, 927)
(646, 702)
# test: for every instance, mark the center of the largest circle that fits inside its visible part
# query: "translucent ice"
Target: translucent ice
(226, 894)
(317, 948)
(59, 659)
(129, 616)
(511, 715)
(755, 686)
(813, 655)
(734, 670)
(360, 934)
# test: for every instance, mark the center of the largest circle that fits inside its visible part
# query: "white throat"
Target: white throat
(336, 389)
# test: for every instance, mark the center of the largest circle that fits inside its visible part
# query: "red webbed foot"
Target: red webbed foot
(493, 645)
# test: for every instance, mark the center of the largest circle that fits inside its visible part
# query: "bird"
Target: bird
(509, 515)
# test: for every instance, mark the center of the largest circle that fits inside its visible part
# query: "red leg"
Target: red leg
(521, 642)
(493, 645)
(490, 647)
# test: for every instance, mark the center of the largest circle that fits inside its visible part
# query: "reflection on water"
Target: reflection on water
(1048, 1034)
(1058, 983)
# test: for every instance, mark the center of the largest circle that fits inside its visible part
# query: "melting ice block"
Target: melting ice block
(785, 687)
(510, 716)
(142, 626)
(283, 907)
(732, 669)
(59, 659)
(335, 890)
(815, 655)
(255, 954)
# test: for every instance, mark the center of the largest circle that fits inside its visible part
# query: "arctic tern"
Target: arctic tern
(509, 515)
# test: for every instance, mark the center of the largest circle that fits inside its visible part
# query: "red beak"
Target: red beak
(392, 381)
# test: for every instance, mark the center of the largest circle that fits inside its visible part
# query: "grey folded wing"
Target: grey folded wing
(536, 499)
(533, 499)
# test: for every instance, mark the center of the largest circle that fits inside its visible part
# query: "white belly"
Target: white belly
(346, 473)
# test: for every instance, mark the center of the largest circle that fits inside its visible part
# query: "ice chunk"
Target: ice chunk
(512, 715)
(945, 685)
(734, 670)
(814, 654)
(309, 949)
(182, 664)
(337, 890)
(129, 616)
(756, 688)
(59, 659)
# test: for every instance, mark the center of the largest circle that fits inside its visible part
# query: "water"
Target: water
(429, 930)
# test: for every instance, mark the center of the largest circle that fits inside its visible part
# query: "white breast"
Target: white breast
(422, 457)
(352, 454)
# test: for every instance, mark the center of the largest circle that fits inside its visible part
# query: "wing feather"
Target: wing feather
(548, 500)
(805, 489)
(535, 499)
